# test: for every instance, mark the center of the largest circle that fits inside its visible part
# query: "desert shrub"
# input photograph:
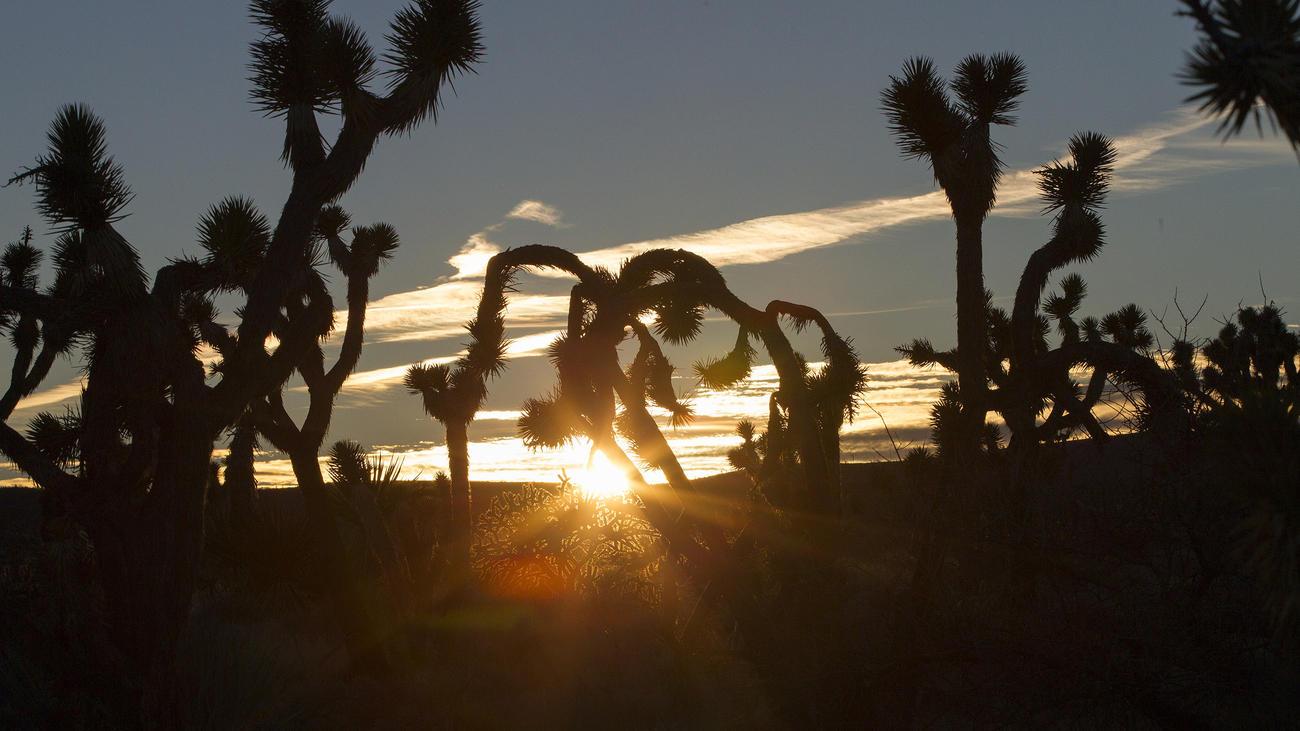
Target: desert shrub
(535, 543)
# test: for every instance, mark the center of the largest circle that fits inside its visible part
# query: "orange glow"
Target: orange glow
(600, 479)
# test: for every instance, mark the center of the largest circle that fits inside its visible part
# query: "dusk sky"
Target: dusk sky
(748, 131)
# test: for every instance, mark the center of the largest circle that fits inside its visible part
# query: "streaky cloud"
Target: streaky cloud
(1154, 157)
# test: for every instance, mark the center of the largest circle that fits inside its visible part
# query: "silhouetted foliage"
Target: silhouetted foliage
(148, 416)
(1247, 385)
(1247, 63)
(1016, 358)
(953, 135)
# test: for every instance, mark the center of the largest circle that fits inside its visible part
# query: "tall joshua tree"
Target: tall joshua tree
(358, 261)
(953, 135)
(1038, 374)
(452, 394)
(149, 414)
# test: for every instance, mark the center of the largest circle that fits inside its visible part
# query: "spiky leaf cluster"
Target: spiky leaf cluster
(306, 58)
(78, 184)
(20, 264)
(988, 88)
(678, 320)
(436, 385)
(431, 42)
(728, 370)
(371, 245)
(57, 437)
(1084, 179)
(549, 422)
(235, 235)
(347, 463)
(953, 135)
(1127, 326)
(1249, 53)
(921, 117)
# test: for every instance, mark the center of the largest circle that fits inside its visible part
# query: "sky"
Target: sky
(748, 131)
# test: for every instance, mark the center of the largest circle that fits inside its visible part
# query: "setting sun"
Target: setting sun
(600, 479)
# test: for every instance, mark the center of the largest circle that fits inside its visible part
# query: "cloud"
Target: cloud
(1154, 157)
(1150, 158)
(472, 259)
(538, 211)
(51, 396)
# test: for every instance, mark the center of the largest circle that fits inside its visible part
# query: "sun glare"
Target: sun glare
(600, 479)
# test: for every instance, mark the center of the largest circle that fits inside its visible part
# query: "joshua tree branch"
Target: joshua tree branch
(353, 334)
(26, 376)
(1158, 387)
(30, 302)
(794, 392)
(41, 468)
(1082, 413)
(1024, 312)
(272, 421)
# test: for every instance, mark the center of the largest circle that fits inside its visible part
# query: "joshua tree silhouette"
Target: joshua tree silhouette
(148, 416)
(1251, 418)
(953, 135)
(1250, 53)
(675, 287)
(954, 138)
(358, 261)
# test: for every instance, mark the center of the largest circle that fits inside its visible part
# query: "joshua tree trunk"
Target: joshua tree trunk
(971, 330)
(241, 480)
(148, 561)
(461, 527)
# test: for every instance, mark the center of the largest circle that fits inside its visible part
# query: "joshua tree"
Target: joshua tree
(358, 261)
(954, 136)
(1250, 53)
(928, 125)
(240, 482)
(674, 285)
(1248, 393)
(148, 416)
(453, 394)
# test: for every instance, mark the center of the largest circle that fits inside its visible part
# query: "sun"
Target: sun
(601, 480)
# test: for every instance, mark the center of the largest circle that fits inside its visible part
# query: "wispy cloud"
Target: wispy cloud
(471, 261)
(1155, 157)
(52, 396)
(537, 211)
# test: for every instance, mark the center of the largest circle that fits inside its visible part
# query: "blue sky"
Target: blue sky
(748, 127)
